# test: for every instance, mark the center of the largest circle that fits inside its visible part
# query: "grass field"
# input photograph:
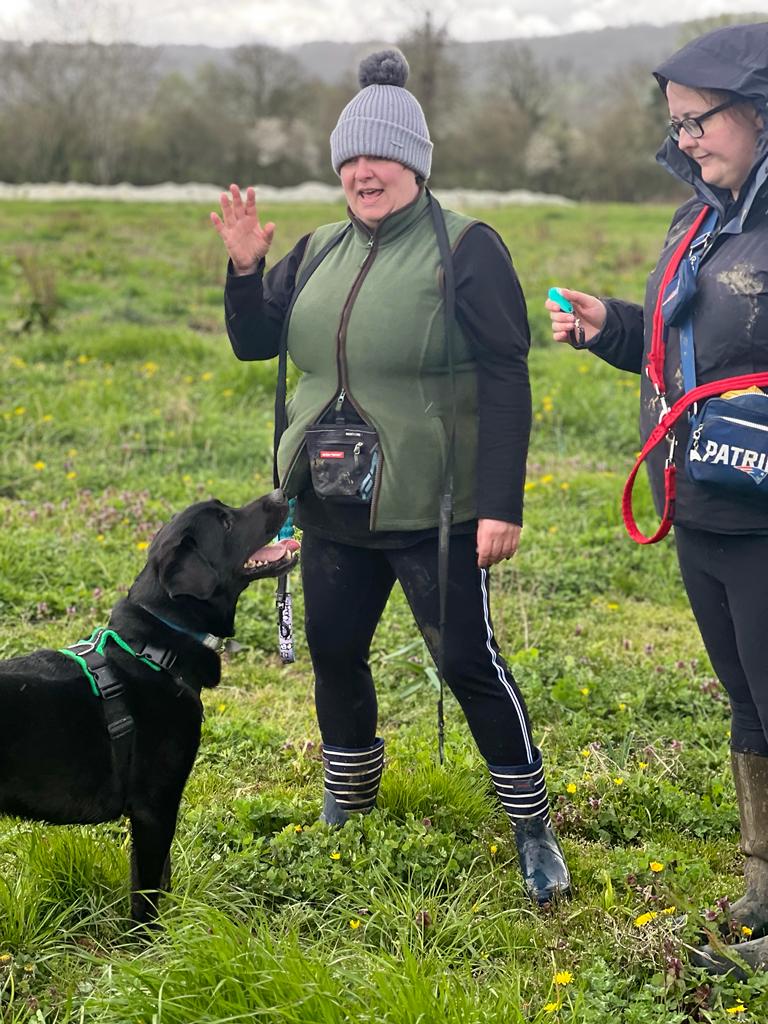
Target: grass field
(129, 405)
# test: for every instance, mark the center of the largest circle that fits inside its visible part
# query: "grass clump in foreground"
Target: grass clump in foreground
(129, 407)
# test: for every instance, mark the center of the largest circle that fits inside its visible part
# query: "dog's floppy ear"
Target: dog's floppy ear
(182, 570)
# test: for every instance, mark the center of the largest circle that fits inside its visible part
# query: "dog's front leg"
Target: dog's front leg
(150, 861)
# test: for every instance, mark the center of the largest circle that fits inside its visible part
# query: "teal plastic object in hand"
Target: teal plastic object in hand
(557, 296)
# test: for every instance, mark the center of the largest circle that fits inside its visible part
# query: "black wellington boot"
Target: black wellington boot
(352, 777)
(523, 795)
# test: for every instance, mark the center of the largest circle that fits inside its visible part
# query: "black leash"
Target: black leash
(446, 499)
(283, 599)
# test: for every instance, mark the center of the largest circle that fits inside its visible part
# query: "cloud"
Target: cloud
(287, 22)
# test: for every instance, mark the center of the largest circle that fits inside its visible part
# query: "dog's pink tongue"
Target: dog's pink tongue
(274, 552)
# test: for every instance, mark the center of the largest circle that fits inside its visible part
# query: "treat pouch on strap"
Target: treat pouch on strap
(728, 445)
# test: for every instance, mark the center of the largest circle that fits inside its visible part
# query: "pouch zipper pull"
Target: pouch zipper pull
(339, 405)
(356, 451)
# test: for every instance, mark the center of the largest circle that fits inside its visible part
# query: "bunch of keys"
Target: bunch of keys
(576, 337)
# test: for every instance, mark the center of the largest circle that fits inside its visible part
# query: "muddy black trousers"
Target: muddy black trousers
(726, 577)
(345, 591)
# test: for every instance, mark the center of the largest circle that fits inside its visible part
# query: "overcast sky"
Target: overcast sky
(285, 22)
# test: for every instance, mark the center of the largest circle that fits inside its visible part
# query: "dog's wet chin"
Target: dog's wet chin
(272, 560)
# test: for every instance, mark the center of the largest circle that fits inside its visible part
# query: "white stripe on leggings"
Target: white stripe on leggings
(500, 671)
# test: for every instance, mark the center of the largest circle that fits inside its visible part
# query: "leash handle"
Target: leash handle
(664, 430)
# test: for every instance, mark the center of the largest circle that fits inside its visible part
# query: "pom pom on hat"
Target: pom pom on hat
(386, 67)
(384, 119)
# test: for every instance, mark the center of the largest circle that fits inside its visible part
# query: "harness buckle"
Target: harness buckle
(108, 683)
(163, 657)
(120, 727)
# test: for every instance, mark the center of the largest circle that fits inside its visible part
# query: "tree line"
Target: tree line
(107, 114)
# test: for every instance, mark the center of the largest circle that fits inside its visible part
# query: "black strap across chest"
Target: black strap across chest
(90, 654)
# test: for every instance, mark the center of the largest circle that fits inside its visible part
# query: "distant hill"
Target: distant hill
(591, 55)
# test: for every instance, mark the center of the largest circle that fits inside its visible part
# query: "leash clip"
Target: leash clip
(672, 442)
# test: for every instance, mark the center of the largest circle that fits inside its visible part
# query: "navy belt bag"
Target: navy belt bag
(728, 444)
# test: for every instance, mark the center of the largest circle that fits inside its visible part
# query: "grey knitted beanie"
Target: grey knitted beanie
(384, 119)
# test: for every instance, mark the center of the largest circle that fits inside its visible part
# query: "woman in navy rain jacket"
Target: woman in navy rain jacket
(717, 91)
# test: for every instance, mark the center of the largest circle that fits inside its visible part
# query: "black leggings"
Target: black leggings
(345, 591)
(726, 577)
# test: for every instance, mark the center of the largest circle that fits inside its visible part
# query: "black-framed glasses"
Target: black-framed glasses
(692, 125)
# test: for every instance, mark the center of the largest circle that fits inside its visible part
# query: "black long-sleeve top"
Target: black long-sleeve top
(491, 310)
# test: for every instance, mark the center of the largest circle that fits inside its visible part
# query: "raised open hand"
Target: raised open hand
(246, 240)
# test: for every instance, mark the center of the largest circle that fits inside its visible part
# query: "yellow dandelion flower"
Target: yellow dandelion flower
(738, 1008)
(746, 931)
(584, 691)
(552, 529)
(335, 855)
(529, 485)
(221, 708)
(19, 410)
(5, 958)
(142, 545)
(150, 368)
(100, 538)
(71, 474)
(565, 486)
(669, 910)
(547, 478)
(612, 606)
(618, 782)
(586, 752)
(298, 828)
(622, 706)
(551, 1007)
(642, 765)
(475, 908)
(571, 787)
(47, 418)
(39, 465)
(354, 923)
(206, 376)
(83, 360)
(656, 866)
(72, 452)
(538, 417)
(494, 849)
(644, 919)
(563, 978)
(227, 392)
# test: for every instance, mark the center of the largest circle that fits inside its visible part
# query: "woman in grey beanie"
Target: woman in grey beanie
(403, 379)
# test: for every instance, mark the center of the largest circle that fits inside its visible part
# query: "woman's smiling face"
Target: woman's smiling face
(728, 148)
(375, 187)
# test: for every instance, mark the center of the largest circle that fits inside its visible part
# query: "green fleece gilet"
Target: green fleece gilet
(370, 319)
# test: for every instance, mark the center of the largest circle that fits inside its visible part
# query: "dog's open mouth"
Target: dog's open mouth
(273, 559)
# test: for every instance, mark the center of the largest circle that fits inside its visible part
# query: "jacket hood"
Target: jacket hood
(734, 59)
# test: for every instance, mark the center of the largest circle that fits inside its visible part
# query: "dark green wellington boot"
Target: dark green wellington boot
(733, 960)
(352, 777)
(523, 795)
(750, 775)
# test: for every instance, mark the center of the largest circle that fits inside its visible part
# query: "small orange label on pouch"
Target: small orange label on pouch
(747, 391)
(332, 455)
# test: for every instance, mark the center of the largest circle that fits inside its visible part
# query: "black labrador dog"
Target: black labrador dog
(112, 726)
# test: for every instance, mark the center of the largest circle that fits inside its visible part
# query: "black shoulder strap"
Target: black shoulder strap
(282, 351)
(446, 499)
